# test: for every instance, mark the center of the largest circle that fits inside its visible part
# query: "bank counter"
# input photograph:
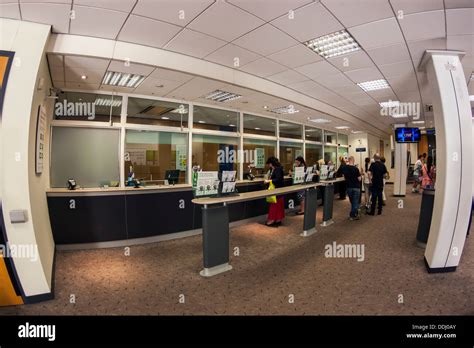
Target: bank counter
(91, 218)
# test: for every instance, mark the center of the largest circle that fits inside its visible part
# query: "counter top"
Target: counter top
(248, 196)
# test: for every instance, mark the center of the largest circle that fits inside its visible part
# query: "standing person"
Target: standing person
(384, 198)
(377, 171)
(339, 174)
(417, 173)
(353, 179)
(428, 174)
(299, 162)
(276, 211)
(367, 184)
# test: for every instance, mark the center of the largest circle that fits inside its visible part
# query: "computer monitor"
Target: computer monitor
(172, 176)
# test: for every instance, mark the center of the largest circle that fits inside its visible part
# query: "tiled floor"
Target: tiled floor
(273, 265)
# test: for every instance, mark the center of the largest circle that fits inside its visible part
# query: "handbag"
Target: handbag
(271, 199)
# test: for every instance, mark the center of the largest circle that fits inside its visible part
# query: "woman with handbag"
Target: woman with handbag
(428, 171)
(276, 211)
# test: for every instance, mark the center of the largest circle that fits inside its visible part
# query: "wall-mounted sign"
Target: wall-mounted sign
(361, 149)
(259, 157)
(181, 157)
(40, 139)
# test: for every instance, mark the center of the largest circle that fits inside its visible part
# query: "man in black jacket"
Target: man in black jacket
(377, 172)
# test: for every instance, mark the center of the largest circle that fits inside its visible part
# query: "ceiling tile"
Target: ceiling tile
(57, 73)
(317, 69)
(334, 81)
(10, 11)
(360, 98)
(352, 13)
(423, 25)
(122, 5)
(171, 75)
(86, 62)
(287, 77)
(296, 56)
(263, 67)
(195, 88)
(377, 34)
(389, 54)
(407, 82)
(147, 31)
(397, 69)
(460, 21)
(152, 86)
(458, 3)
(410, 6)
(176, 12)
(225, 21)
(308, 22)
(94, 76)
(40, 1)
(352, 61)
(130, 68)
(265, 40)
(194, 44)
(417, 48)
(461, 42)
(366, 74)
(304, 85)
(55, 14)
(116, 89)
(261, 9)
(85, 86)
(55, 60)
(59, 84)
(97, 22)
(232, 56)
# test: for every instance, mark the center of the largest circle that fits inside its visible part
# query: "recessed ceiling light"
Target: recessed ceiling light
(289, 109)
(160, 86)
(119, 79)
(319, 120)
(107, 102)
(222, 96)
(165, 118)
(373, 85)
(265, 107)
(231, 125)
(418, 122)
(390, 104)
(201, 121)
(334, 44)
(342, 127)
(83, 77)
(399, 115)
(257, 128)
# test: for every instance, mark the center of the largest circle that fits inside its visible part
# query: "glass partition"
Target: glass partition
(291, 130)
(157, 112)
(314, 153)
(151, 155)
(78, 106)
(215, 153)
(330, 137)
(342, 139)
(215, 119)
(288, 153)
(90, 156)
(330, 155)
(257, 151)
(259, 125)
(313, 134)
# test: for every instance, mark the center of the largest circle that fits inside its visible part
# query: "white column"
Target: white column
(401, 170)
(452, 116)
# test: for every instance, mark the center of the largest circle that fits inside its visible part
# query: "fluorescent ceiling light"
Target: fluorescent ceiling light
(342, 127)
(119, 79)
(107, 102)
(165, 118)
(201, 121)
(373, 85)
(289, 109)
(418, 122)
(257, 128)
(319, 120)
(399, 115)
(222, 96)
(231, 125)
(390, 104)
(334, 44)
(356, 132)
(83, 77)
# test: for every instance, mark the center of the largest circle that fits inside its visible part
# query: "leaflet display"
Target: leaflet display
(228, 182)
(323, 172)
(205, 184)
(298, 175)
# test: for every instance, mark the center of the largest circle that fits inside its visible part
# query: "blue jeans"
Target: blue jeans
(354, 195)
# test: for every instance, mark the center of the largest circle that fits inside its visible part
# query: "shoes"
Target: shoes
(354, 218)
(371, 213)
(414, 191)
(383, 203)
(379, 212)
(274, 224)
(299, 213)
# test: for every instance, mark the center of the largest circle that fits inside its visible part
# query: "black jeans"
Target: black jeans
(376, 197)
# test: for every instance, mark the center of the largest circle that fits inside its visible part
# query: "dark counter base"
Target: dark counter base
(121, 217)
